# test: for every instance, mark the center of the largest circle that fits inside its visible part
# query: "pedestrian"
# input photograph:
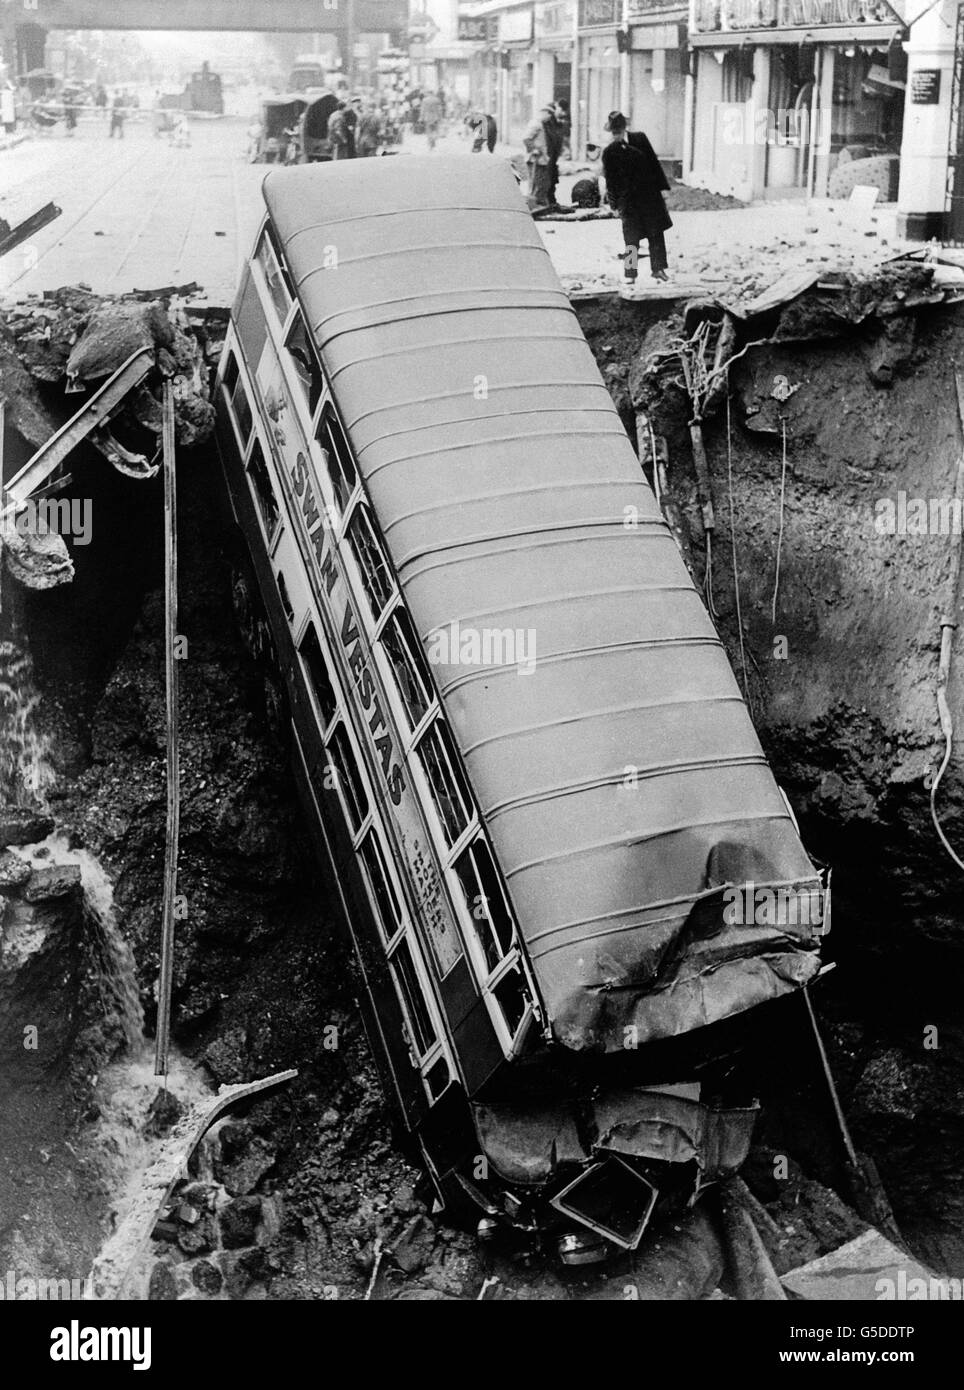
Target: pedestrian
(338, 132)
(369, 133)
(118, 115)
(635, 184)
(484, 131)
(564, 121)
(100, 99)
(543, 146)
(351, 125)
(430, 115)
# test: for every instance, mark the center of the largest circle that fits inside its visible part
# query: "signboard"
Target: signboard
(726, 15)
(554, 19)
(598, 12)
(645, 7)
(478, 28)
(925, 87)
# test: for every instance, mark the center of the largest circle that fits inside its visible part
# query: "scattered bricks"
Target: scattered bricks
(242, 1176)
(165, 1230)
(21, 825)
(207, 1277)
(198, 1238)
(241, 1270)
(271, 1217)
(56, 881)
(202, 1195)
(14, 871)
(187, 1214)
(163, 1285)
(239, 1222)
(413, 1248)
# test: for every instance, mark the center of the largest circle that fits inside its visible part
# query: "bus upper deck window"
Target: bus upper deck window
(305, 362)
(400, 641)
(338, 460)
(274, 277)
(443, 771)
(370, 558)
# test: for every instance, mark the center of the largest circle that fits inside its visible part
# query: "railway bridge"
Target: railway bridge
(24, 24)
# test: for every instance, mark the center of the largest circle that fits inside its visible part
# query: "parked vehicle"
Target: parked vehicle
(314, 145)
(204, 94)
(543, 857)
(276, 138)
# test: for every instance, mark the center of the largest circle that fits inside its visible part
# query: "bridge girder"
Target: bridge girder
(237, 16)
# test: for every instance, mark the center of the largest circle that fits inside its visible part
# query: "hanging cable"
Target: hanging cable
(948, 624)
(736, 570)
(783, 498)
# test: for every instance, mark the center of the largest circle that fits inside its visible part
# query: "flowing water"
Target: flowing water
(26, 773)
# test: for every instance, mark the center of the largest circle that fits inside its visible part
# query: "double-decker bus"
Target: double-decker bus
(522, 748)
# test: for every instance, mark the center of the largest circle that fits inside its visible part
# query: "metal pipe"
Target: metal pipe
(162, 1040)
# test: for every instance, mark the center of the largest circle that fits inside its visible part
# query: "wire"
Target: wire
(736, 572)
(783, 497)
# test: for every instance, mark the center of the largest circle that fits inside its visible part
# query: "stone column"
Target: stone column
(927, 125)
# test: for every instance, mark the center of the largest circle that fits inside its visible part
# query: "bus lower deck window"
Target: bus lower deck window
(383, 889)
(342, 757)
(403, 966)
(511, 996)
(263, 491)
(319, 679)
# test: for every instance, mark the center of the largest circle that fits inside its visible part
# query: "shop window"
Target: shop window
(401, 643)
(319, 680)
(381, 885)
(263, 490)
(410, 988)
(274, 277)
(443, 771)
(485, 901)
(348, 777)
(376, 576)
(339, 463)
(302, 353)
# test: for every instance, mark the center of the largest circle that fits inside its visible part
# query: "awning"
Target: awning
(864, 35)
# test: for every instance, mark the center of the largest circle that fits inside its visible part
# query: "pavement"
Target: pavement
(139, 214)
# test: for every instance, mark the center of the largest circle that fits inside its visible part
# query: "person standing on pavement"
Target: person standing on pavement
(543, 146)
(484, 131)
(338, 133)
(118, 115)
(430, 115)
(635, 184)
(100, 100)
(351, 126)
(369, 133)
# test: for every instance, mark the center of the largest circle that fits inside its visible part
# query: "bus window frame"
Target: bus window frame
(273, 538)
(273, 317)
(338, 515)
(359, 507)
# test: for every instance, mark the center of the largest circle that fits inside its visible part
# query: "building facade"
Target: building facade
(784, 91)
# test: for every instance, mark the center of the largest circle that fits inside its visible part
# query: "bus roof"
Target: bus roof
(620, 778)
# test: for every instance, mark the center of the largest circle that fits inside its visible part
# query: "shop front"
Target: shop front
(501, 77)
(553, 44)
(786, 91)
(603, 70)
(657, 74)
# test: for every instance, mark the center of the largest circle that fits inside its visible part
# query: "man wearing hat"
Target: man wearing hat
(635, 184)
(543, 144)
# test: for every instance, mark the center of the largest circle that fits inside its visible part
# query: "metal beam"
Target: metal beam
(239, 16)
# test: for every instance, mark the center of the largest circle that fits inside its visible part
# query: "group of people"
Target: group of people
(356, 129)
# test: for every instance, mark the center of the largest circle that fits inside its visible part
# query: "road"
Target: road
(137, 213)
(140, 214)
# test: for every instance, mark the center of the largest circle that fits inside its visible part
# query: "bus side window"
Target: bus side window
(345, 768)
(404, 651)
(339, 463)
(485, 901)
(370, 559)
(305, 363)
(274, 276)
(263, 491)
(443, 771)
(318, 678)
(237, 398)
